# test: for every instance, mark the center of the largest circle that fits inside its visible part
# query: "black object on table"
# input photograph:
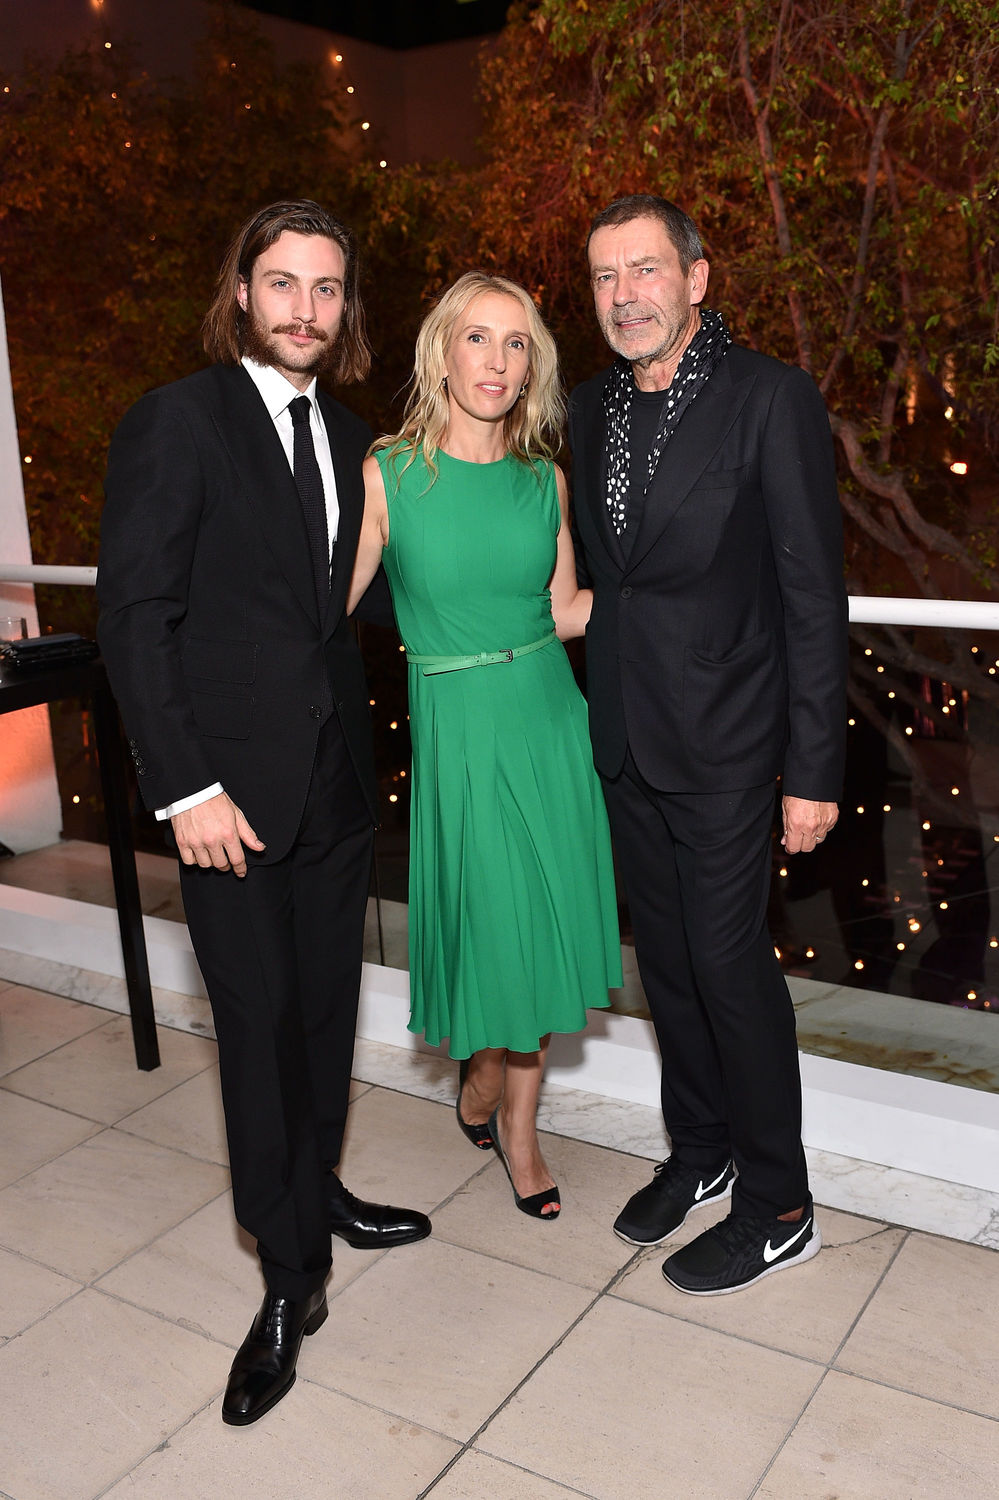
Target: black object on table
(88, 679)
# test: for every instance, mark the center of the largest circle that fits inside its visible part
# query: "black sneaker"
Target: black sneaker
(656, 1211)
(742, 1250)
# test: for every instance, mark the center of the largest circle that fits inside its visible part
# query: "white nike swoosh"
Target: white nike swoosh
(770, 1254)
(703, 1188)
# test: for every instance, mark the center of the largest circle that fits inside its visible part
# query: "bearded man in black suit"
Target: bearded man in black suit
(708, 520)
(234, 501)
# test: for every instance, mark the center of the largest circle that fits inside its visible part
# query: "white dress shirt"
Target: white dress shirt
(277, 394)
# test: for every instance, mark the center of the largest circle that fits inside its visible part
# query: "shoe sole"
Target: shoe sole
(701, 1203)
(813, 1247)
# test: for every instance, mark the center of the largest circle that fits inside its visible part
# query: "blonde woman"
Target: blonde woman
(512, 915)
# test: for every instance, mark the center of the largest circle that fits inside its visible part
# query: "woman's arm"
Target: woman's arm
(571, 605)
(374, 533)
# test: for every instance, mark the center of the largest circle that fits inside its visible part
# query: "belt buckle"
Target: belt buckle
(507, 655)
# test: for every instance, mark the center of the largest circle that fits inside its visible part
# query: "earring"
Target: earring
(523, 391)
(444, 385)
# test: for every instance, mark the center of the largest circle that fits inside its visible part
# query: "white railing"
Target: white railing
(43, 573)
(959, 614)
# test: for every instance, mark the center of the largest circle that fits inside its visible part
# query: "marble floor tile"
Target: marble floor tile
(84, 1212)
(27, 1292)
(806, 1310)
(477, 1475)
(189, 1119)
(96, 1076)
(32, 1134)
(579, 1246)
(90, 1390)
(933, 1327)
(634, 1403)
(204, 1274)
(860, 1441)
(404, 1150)
(315, 1445)
(33, 1023)
(478, 1324)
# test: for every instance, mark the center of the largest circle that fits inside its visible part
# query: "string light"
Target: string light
(865, 882)
(393, 797)
(394, 724)
(927, 826)
(915, 926)
(943, 906)
(851, 722)
(908, 729)
(350, 88)
(900, 947)
(27, 458)
(383, 163)
(778, 952)
(886, 807)
(365, 125)
(371, 702)
(972, 995)
(783, 872)
(994, 942)
(860, 809)
(955, 791)
(858, 963)
(76, 799)
(868, 651)
(959, 467)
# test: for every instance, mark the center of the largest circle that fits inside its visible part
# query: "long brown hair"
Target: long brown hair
(225, 321)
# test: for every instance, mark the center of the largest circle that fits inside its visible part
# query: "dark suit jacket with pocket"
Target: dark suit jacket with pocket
(209, 626)
(717, 645)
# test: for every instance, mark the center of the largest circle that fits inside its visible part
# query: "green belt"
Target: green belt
(433, 665)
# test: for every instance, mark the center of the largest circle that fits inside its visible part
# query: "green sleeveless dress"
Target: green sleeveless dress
(513, 927)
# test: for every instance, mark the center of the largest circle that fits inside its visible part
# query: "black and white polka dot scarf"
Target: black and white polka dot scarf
(697, 363)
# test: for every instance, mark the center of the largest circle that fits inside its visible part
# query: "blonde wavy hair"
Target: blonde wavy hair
(532, 427)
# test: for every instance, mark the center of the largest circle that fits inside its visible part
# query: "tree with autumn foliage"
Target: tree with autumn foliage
(842, 163)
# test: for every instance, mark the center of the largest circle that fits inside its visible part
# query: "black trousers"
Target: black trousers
(696, 868)
(280, 952)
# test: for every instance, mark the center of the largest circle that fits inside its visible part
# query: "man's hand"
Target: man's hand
(806, 823)
(212, 834)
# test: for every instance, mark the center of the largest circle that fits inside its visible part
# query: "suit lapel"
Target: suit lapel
(350, 500)
(700, 432)
(594, 463)
(255, 449)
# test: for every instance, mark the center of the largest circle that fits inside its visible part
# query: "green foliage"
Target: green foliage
(842, 163)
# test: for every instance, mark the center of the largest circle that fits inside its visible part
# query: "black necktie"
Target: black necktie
(310, 489)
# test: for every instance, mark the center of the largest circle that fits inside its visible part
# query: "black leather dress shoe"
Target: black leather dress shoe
(264, 1368)
(372, 1226)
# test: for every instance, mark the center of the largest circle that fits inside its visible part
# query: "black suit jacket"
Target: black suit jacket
(209, 625)
(717, 644)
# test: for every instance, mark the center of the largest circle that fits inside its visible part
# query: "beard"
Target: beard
(669, 328)
(260, 345)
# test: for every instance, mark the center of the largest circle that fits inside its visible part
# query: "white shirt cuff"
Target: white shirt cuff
(162, 813)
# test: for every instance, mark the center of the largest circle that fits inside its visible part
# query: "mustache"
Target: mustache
(319, 334)
(634, 312)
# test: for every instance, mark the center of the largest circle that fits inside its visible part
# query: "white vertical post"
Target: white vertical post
(30, 815)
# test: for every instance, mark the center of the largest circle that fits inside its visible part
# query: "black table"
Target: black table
(88, 680)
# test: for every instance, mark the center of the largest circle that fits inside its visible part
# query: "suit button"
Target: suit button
(626, 591)
(315, 712)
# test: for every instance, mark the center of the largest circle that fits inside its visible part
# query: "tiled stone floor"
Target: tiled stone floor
(501, 1359)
